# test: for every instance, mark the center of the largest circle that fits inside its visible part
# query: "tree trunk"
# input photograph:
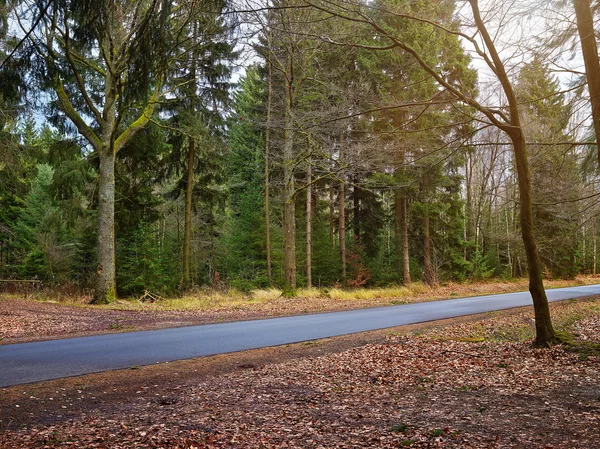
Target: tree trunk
(289, 216)
(583, 250)
(331, 214)
(342, 219)
(398, 228)
(594, 248)
(309, 216)
(401, 234)
(428, 275)
(469, 204)
(545, 334)
(356, 209)
(589, 49)
(106, 284)
(508, 252)
(543, 324)
(189, 191)
(404, 232)
(267, 183)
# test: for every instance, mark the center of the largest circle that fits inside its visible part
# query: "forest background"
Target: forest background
(336, 160)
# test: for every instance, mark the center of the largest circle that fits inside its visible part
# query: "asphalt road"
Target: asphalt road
(32, 362)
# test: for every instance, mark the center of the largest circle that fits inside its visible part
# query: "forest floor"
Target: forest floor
(49, 315)
(471, 382)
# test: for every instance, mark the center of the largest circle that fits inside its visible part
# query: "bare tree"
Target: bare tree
(507, 119)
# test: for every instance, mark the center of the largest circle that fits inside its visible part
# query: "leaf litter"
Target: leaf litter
(468, 385)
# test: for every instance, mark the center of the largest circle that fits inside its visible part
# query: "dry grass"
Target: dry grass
(501, 327)
(313, 299)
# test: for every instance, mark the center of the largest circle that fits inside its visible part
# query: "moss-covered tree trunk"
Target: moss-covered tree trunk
(106, 284)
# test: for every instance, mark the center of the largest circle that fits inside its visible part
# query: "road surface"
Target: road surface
(32, 362)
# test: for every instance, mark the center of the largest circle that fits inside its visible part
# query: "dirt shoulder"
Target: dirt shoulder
(24, 320)
(473, 382)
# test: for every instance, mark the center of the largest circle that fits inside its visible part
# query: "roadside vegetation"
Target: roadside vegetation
(312, 298)
(59, 314)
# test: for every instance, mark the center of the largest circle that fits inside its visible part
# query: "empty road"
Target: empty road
(31, 362)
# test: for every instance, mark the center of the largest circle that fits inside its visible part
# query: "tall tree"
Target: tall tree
(105, 63)
(509, 122)
(200, 80)
(589, 50)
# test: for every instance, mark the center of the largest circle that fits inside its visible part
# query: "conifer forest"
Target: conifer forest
(164, 145)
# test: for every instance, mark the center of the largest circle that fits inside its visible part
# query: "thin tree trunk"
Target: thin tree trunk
(545, 334)
(401, 234)
(331, 214)
(267, 155)
(469, 204)
(583, 252)
(289, 217)
(356, 209)
(594, 243)
(189, 188)
(589, 49)
(342, 218)
(187, 229)
(398, 228)
(309, 216)
(543, 323)
(508, 252)
(404, 233)
(428, 275)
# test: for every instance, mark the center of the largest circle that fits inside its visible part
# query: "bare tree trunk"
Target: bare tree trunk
(508, 252)
(428, 275)
(289, 216)
(267, 155)
(469, 203)
(331, 214)
(583, 254)
(545, 334)
(543, 323)
(589, 49)
(356, 209)
(401, 234)
(594, 242)
(342, 218)
(309, 216)
(189, 193)
(189, 188)
(404, 232)
(398, 227)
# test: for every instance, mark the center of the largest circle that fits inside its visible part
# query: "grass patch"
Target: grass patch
(375, 293)
(316, 299)
(402, 428)
(264, 295)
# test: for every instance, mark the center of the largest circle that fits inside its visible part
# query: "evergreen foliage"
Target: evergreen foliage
(404, 181)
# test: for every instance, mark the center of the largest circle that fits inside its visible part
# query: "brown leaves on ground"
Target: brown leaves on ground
(427, 389)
